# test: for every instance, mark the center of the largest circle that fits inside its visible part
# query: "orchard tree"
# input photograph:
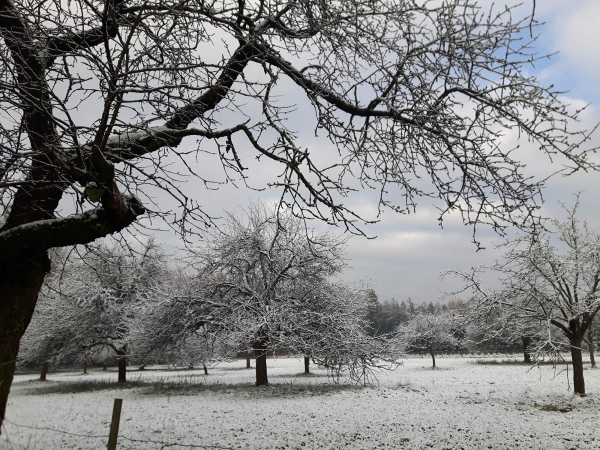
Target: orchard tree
(550, 278)
(125, 279)
(258, 268)
(99, 99)
(428, 333)
(91, 305)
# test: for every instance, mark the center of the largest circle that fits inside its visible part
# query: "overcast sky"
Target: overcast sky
(406, 258)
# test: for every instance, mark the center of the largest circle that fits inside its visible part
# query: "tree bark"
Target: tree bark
(85, 367)
(122, 362)
(590, 342)
(260, 351)
(526, 355)
(44, 371)
(432, 357)
(247, 360)
(20, 283)
(205, 369)
(307, 365)
(578, 381)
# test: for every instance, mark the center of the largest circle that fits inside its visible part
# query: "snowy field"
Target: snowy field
(459, 405)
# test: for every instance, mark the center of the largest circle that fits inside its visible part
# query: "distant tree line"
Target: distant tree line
(384, 317)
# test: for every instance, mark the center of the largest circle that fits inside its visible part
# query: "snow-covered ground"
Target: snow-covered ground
(459, 405)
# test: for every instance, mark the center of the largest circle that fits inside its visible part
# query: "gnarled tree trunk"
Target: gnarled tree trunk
(20, 283)
(578, 381)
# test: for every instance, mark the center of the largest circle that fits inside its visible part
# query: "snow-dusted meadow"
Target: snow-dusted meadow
(459, 405)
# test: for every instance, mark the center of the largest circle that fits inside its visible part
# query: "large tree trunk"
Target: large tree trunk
(122, 361)
(307, 365)
(590, 342)
(44, 371)
(260, 351)
(20, 283)
(526, 355)
(432, 357)
(247, 360)
(578, 382)
(205, 369)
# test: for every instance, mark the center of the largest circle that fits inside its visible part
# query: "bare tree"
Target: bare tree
(428, 333)
(97, 98)
(91, 305)
(550, 279)
(259, 268)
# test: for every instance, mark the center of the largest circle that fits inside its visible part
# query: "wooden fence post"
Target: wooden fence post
(114, 424)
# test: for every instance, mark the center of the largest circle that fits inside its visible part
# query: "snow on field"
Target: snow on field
(459, 405)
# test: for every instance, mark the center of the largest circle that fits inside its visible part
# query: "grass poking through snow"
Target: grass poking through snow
(513, 362)
(191, 386)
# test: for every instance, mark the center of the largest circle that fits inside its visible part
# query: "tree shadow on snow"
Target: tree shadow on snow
(192, 387)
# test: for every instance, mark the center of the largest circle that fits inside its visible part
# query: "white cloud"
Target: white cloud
(577, 36)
